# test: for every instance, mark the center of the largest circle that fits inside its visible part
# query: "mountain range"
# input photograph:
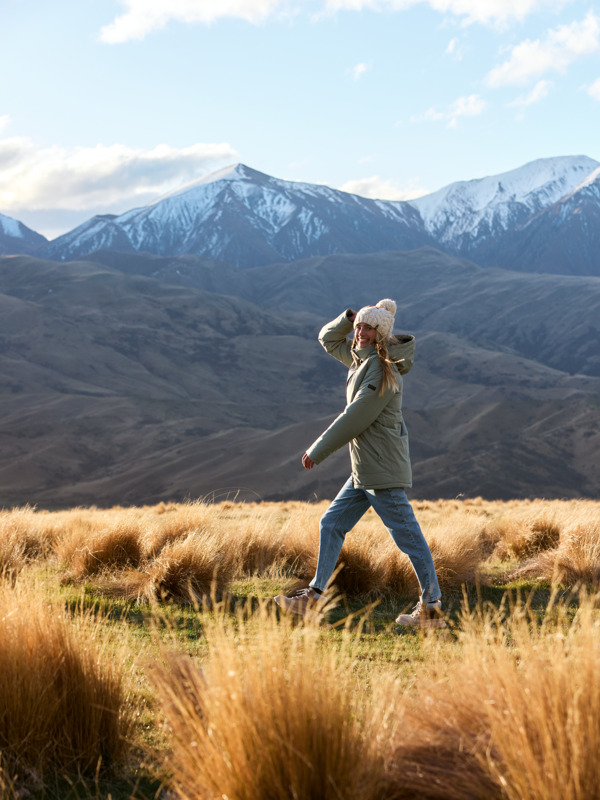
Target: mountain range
(541, 217)
(170, 352)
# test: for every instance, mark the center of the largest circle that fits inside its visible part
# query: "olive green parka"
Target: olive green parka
(371, 424)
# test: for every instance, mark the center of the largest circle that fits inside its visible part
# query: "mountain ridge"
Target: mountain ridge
(247, 218)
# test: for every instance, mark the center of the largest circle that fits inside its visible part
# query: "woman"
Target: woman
(372, 424)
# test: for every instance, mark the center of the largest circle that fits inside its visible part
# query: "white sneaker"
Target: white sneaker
(300, 601)
(424, 615)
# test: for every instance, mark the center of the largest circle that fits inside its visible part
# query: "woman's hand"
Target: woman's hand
(307, 462)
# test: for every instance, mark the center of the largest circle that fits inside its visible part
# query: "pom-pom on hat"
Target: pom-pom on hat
(380, 317)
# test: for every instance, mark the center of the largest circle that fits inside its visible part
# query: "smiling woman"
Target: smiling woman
(373, 426)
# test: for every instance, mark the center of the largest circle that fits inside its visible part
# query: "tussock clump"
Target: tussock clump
(272, 714)
(189, 569)
(115, 547)
(507, 537)
(457, 551)
(167, 525)
(32, 532)
(523, 538)
(575, 561)
(293, 545)
(515, 717)
(12, 556)
(545, 535)
(61, 695)
(258, 551)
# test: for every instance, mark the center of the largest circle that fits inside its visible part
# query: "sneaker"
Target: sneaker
(424, 615)
(301, 601)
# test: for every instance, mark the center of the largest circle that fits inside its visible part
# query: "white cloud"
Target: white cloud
(358, 71)
(470, 106)
(144, 16)
(594, 89)
(453, 49)
(141, 17)
(485, 12)
(539, 91)
(378, 188)
(89, 177)
(532, 58)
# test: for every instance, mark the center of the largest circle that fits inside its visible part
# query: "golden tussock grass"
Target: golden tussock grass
(154, 547)
(513, 715)
(575, 559)
(61, 693)
(499, 706)
(188, 569)
(113, 548)
(272, 713)
(510, 711)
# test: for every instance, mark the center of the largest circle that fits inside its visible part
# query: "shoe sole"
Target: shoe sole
(428, 623)
(288, 605)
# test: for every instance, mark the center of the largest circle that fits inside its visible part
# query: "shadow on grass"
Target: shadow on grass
(65, 787)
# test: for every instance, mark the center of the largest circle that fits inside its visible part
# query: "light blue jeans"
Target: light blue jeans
(398, 517)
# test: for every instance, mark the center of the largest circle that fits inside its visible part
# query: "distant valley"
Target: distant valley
(146, 378)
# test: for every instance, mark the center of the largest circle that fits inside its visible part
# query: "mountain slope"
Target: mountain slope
(566, 233)
(122, 388)
(18, 238)
(463, 215)
(551, 319)
(244, 217)
(541, 217)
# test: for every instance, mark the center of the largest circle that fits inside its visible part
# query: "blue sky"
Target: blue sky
(104, 105)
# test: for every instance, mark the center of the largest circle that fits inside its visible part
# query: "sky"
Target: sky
(106, 105)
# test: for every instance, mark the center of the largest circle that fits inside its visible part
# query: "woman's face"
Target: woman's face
(364, 335)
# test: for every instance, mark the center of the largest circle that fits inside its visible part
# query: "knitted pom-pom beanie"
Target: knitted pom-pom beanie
(380, 317)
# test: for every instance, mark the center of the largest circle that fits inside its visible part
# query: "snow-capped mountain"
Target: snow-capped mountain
(18, 238)
(244, 217)
(561, 236)
(464, 214)
(248, 218)
(543, 217)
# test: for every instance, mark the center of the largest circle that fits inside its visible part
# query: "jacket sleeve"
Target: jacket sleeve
(334, 338)
(356, 417)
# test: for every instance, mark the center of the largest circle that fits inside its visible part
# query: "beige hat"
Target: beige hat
(380, 317)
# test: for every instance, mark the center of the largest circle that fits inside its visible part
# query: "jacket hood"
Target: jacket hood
(401, 348)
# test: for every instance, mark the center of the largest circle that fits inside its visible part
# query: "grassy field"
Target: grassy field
(142, 656)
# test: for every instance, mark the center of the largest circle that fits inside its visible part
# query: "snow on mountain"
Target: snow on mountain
(562, 238)
(248, 218)
(244, 217)
(462, 214)
(17, 238)
(11, 227)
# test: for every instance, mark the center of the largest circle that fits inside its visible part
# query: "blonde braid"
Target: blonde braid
(388, 366)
